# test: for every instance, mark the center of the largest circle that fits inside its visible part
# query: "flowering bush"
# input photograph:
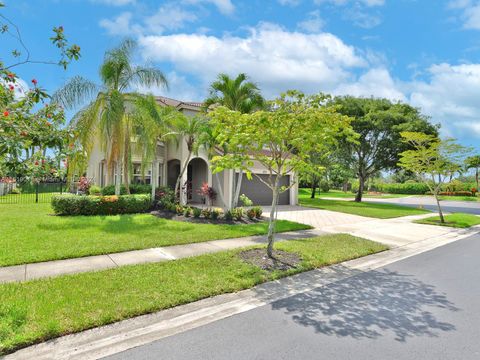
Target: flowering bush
(208, 193)
(84, 185)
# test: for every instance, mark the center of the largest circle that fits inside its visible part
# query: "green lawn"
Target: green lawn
(458, 220)
(347, 195)
(39, 310)
(460, 198)
(29, 233)
(368, 209)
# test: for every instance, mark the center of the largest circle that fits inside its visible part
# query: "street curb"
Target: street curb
(111, 339)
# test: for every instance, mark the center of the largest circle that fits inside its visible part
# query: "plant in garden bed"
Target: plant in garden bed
(251, 214)
(237, 213)
(208, 194)
(197, 212)
(207, 213)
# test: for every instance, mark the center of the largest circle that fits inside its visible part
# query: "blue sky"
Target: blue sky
(425, 52)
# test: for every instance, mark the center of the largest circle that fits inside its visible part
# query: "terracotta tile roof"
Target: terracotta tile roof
(191, 105)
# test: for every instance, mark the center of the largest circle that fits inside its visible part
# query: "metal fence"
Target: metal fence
(28, 192)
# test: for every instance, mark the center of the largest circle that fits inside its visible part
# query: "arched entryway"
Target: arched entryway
(173, 171)
(197, 175)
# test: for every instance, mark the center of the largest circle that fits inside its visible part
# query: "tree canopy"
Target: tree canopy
(379, 123)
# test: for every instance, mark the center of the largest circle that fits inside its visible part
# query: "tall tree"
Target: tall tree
(238, 94)
(280, 139)
(189, 129)
(113, 114)
(433, 160)
(473, 162)
(379, 123)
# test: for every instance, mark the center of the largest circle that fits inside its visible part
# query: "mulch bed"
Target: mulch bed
(282, 261)
(201, 220)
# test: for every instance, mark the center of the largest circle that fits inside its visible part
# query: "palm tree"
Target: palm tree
(116, 112)
(237, 94)
(240, 95)
(473, 162)
(189, 129)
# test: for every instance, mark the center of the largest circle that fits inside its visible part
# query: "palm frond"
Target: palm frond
(75, 92)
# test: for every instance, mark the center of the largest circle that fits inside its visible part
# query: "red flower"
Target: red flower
(10, 75)
(36, 163)
(6, 113)
(34, 81)
(11, 87)
(49, 116)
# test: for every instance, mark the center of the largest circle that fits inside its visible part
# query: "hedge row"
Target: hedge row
(100, 205)
(406, 188)
(134, 189)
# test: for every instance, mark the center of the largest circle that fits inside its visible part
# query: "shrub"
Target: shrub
(237, 213)
(134, 189)
(258, 212)
(251, 214)
(187, 211)
(207, 213)
(215, 214)
(164, 196)
(208, 193)
(179, 209)
(228, 216)
(409, 188)
(84, 185)
(17, 191)
(197, 212)
(245, 200)
(324, 186)
(100, 205)
(95, 190)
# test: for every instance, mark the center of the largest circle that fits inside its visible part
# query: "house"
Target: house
(169, 158)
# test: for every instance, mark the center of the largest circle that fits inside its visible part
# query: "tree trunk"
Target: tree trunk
(236, 195)
(476, 178)
(220, 192)
(272, 220)
(314, 187)
(179, 180)
(440, 212)
(126, 167)
(118, 177)
(361, 186)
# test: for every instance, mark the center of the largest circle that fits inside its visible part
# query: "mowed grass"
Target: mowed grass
(460, 198)
(347, 195)
(30, 233)
(35, 311)
(365, 208)
(458, 220)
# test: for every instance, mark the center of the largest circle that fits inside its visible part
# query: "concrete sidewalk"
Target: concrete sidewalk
(101, 262)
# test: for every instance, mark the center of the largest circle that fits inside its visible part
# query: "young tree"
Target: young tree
(432, 160)
(473, 162)
(379, 123)
(237, 94)
(190, 129)
(112, 115)
(280, 139)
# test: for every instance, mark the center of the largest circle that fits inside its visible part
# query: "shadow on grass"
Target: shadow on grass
(370, 304)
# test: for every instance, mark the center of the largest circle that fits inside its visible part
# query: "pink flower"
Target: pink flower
(34, 82)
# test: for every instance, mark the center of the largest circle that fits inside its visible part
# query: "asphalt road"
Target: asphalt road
(424, 307)
(469, 207)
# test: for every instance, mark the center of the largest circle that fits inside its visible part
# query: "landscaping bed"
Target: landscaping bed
(39, 310)
(165, 214)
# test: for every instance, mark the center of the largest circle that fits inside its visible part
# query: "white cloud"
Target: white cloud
(450, 95)
(179, 88)
(115, 2)
(313, 23)
(470, 12)
(224, 6)
(274, 57)
(169, 17)
(120, 25)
